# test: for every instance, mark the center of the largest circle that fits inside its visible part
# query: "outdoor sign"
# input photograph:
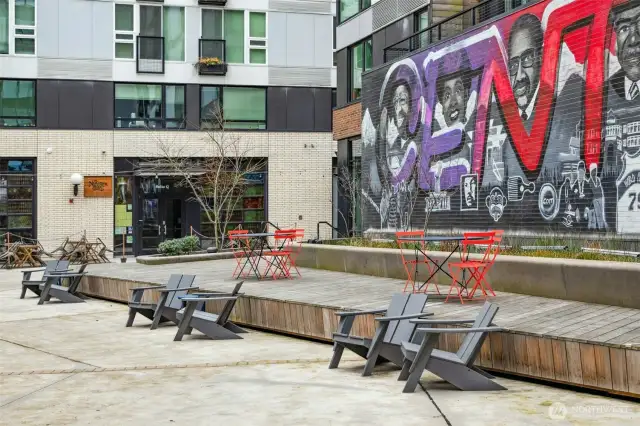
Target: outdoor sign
(98, 186)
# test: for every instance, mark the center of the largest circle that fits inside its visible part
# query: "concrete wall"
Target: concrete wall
(299, 174)
(553, 148)
(607, 283)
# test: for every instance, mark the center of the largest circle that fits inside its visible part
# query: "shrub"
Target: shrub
(179, 246)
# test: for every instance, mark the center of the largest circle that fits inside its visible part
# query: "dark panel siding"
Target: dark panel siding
(193, 106)
(379, 43)
(76, 105)
(343, 77)
(322, 110)
(277, 109)
(103, 105)
(300, 105)
(47, 93)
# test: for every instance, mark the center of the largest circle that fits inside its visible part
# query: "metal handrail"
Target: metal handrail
(414, 39)
(140, 56)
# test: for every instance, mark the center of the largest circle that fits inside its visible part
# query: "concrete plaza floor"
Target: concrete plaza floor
(76, 364)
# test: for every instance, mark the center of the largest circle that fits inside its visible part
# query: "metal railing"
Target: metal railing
(150, 55)
(451, 27)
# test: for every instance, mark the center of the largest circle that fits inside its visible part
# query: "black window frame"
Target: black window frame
(363, 42)
(361, 9)
(33, 119)
(222, 87)
(5, 174)
(416, 18)
(181, 123)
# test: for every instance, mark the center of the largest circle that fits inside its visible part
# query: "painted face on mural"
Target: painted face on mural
(454, 101)
(524, 59)
(470, 186)
(627, 26)
(397, 128)
(401, 99)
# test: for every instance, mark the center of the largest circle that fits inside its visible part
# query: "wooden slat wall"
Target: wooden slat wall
(597, 366)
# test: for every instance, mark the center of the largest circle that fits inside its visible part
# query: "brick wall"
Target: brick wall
(299, 174)
(346, 121)
(551, 147)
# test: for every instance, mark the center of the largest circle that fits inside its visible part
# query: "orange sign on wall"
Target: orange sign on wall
(98, 186)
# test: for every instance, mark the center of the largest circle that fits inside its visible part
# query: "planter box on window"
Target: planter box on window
(217, 69)
(213, 2)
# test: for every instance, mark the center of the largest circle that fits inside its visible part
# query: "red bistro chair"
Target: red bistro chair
(471, 239)
(410, 261)
(238, 242)
(288, 245)
(481, 272)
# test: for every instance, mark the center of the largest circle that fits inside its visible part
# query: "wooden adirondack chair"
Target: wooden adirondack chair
(214, 326)
(456, 368)
(169, 303)
(33, 285)
(391, 331)
(52, 288)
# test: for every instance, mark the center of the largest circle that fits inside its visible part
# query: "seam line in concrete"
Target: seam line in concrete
(434, 404)
(46, 352)
(63, 316)
(37, 390)
(172, 366)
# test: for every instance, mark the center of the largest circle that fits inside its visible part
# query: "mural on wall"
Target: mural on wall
(531, 122)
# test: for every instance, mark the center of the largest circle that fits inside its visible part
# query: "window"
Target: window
(421, 22)
(349, 8)
(17, 103)
(242, 107)
(152, 106)
(234, 35)
(360, 60)
(18, 37)
(17, 197)
(124, 35)
(244, 32)
(153, 21)
(257, 38)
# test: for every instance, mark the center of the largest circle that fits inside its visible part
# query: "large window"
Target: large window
(17, 103)
(17, 197)
(18, 37)
(360, 60)
(349, 8)
(152, 21)
(245, 33)
(152, 106)
(234, 107)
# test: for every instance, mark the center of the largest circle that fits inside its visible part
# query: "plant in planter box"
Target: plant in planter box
(179, 246)
(211, 66)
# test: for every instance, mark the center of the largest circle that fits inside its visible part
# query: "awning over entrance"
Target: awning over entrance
(147, 169)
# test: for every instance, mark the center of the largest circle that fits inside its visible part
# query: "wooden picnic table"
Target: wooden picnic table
(83, 251)
(27, 255)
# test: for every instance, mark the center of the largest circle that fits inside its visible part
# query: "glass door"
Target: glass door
(150, 224)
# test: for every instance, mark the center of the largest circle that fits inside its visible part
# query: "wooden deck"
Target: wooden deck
(584, 344)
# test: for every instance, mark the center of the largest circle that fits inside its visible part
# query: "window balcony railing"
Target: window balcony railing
(212, 57)
(150, 54)
(213, 2)
(451, 27)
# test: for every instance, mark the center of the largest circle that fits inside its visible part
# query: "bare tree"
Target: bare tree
(349, 186)
(217, 174)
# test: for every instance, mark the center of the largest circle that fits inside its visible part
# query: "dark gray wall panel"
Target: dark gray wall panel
(76, 105)
(379, 43)
(193, 106)
(277, 109)
(47, 94)
(300, 109)
(322, 110)
(102, 105)
(342, 77)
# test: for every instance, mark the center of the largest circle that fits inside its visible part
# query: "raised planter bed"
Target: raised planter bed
(157, 259)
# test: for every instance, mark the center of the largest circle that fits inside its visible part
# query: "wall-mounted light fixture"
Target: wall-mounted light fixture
(76, 179)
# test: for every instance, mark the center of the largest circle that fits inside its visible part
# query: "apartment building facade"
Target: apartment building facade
(369, 34)
(95, 88)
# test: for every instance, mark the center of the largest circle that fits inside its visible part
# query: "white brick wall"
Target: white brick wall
(299, 179)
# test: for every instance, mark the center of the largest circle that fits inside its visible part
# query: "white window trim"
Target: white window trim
(248, 39)
(13, 27)
(134, 33)
(136, 29)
